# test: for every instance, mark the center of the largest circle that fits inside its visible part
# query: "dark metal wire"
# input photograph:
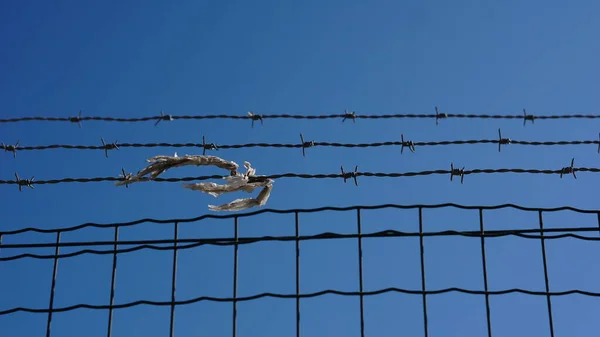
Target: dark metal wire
(168, 244)
(53, 286)
(297, 225)
(360, 273)
(423, 289)
(261, 117)
(235, 277)
(174, 279)
(485, 278)
(451, 172)
(306, 295)
(112, 280)
(546, 281)
(302, 210)
(302, 145)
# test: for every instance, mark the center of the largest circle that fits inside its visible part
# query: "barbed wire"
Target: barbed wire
(453, 172)
(183, 244)
(254, 117)
(302, 145)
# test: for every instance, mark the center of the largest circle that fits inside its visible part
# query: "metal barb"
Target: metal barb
(24, 182)
(209, 146)
(348, 175)
(110, 146)
(502, 141)
(76, 119)
(306, 144)
(457, 172)
(163, 117)
(126, 177)
(569, 169)
(439, 115)
(11, 148)
(527, 117)
(349, 115)
(408, 143)
(599, 142)
(255, 117)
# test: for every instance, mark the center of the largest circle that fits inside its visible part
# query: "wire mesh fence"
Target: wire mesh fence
(535, 234)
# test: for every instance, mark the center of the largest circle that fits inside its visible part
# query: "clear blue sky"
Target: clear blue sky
(136, 58)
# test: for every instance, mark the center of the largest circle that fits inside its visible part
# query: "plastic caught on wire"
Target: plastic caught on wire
(246, 182)
(161, 164)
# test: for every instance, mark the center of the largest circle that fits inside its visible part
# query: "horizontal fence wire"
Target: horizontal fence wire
(261, 117)
(410, 145)
(453, 172)
(176, 244)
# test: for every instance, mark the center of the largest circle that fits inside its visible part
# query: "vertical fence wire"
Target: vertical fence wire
(112, 282)
(546, 282)
(235, 277)
(53, 285)
(485, 278)
(422, 251)
(297, 275)
(360, 273)
(174, 279)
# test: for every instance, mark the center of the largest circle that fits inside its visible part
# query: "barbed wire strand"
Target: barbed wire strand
(13, 148)
(453, 172)
(261, 117)
(188, 243)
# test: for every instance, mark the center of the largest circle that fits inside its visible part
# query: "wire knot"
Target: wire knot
(11, 148)
(76, 119)
(569, 169)
(24, 182)
(349, 115)
(109, 146)
(163, 117)
(408, 143)
(502, 141)
(527, 117)
(306, 144)
(457, 172)
(439, 115)
(348, 175)
(208, 146)
(126, 177)
(255, 117)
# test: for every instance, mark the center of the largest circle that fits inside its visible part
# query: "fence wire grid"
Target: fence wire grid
(537, 235)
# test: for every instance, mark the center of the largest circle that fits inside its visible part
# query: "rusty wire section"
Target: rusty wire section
(255, 117)
(175, 244)
(303, 144)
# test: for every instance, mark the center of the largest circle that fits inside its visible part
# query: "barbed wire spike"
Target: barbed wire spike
(208, 146)
(457, 172)
(110, 146)
(126, 177)
(349, 115)
(255, 117)
(76, 119)
(439, 115)
(569, 169)
(163, 117)
(598, 142)
(305, 144)
(409, 144)
(502, 141)
(348, 175)
(13, 148)
(527, 117)
(24, 182)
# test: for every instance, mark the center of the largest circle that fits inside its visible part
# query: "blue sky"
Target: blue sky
(138, 58)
